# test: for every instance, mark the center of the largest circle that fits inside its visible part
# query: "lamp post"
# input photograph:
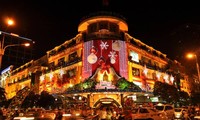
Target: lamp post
(192, 55)
(3, 48)
(9, 22)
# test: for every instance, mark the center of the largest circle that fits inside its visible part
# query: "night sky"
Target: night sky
(170, 27)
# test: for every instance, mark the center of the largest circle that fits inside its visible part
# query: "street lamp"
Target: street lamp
(9, 22)
(3, 48)
(193, 55)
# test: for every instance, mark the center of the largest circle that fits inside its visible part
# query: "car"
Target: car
(180, 113)
(47, 116)
(69, 116)
(197, 115)
(36, 115)
(23, 118)
(166, 109)
(146, 113)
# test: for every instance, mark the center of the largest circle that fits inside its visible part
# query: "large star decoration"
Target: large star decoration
(61, 72)
(42, 77)
(104, 45)
(51, 76)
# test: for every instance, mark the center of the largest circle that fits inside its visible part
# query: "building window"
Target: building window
(145, 60)
(61, 61)
(135, 71)
(154, 76)
(51, 65)
(51, 53)
(92, 28)
(73, 56)
(134, 56)
(149, 75)
(114, 27)
(103, 25)
(71, 73)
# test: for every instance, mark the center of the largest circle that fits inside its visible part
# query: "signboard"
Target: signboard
(154, 99)
(134, 56)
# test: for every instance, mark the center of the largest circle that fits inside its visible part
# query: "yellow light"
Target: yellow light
(106, 102)
(27, 44)
(9, 21)
(23, 118)
(66, 115)
(190, 55)
(13, 34)
(71, 85)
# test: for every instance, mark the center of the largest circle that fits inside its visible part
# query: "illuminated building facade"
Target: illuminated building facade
(102, 64)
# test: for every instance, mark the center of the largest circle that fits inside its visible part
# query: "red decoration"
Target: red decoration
(93, 50)
(104, 66)
(101, 60)
(103, 56)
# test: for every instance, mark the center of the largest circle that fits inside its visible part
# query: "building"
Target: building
(102, 64)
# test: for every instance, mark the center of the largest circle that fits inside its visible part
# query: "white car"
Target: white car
(166, 109)
(197, 115)
(180, 113)
(146, 113)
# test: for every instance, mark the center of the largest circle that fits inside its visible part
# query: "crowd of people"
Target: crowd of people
(3, 113)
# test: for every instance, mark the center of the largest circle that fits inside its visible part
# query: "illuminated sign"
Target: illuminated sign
(133, 97)
(154, 99)
(7, 69)
(134, 56)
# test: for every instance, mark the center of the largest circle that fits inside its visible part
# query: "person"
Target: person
(1, 114)
(121, 117)
(109, 114)
(103, 114)
(59, 115)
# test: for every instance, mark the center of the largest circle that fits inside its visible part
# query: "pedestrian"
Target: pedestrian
(103, 114)
(59, 115)
(1, 114)
(121, 117)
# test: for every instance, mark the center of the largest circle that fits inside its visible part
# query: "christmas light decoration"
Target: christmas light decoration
(92, 58)
(104, 45)
(116, 45)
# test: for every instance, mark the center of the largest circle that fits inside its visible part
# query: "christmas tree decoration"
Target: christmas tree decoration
(92, 58)
(112, 60)
(42, 77)
(116, 45)
(51, 75)
(112, 56)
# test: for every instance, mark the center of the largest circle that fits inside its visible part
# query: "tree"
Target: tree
(184, 98)
(2, 94)
(123, 84)
(31, 100)
(167, 92)
(195, 97)
(46, 100)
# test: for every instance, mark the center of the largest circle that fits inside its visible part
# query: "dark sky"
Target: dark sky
(170, 27)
